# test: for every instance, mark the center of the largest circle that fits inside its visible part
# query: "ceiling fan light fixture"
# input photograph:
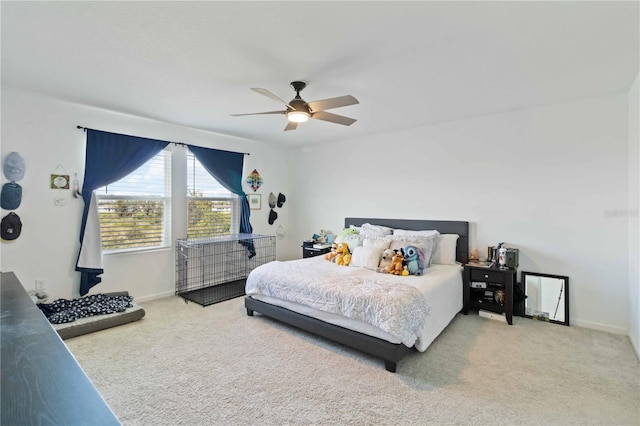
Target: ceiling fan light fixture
(297, 116)
(298, 110)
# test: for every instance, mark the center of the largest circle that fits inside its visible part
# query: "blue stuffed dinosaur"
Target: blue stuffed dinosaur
(414, 259)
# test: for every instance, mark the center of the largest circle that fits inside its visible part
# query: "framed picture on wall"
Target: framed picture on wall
(255, 201)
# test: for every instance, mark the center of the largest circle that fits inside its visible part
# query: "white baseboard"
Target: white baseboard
(609, 329)
(154, 296)
(601, 327)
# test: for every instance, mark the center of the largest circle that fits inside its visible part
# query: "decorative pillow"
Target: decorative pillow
(445, 252)
(427, 244)
(353, 240)
(370, 230)
(365, 257)
(377, 242)
(408, 232)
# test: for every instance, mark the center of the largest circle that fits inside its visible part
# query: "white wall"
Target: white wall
(44, 132)
(544, 180)
(634, 205)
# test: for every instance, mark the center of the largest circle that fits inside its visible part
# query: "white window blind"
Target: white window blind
(135, 212)
(213, 209)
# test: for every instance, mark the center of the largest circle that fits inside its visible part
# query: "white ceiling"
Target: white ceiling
(408, 63)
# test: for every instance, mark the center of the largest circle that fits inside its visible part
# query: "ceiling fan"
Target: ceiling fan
(299, 111)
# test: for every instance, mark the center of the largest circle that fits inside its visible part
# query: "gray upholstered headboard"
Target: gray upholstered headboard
(442, 226)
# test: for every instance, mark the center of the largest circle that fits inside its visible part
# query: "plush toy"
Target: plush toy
(414, 259)
(349, 231)
(344, 255)
(344, 233)
(385, 261)
(474, 256)
(331, 256)
(322, 237)
(396, 266)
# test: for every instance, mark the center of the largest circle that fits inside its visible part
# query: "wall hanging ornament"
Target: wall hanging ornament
(59, 181)
(76, 186)
(254, 180)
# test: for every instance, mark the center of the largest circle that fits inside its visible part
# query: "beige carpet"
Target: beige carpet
(184, 364)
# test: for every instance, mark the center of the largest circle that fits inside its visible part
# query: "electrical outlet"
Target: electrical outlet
(41, 284)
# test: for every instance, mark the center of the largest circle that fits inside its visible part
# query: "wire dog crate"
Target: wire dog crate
(213, 269)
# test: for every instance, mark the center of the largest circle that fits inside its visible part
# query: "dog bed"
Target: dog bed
(90, 324)
(100, 322)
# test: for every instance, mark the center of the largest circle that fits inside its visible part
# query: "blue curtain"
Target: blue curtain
(226, 167)
(109, 158)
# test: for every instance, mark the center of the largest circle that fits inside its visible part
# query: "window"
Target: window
(135, 212)
(212, 209)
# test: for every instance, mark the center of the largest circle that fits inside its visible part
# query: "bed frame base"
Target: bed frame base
(391, 353)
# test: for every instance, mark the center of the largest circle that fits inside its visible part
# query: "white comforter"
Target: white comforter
(397, 305)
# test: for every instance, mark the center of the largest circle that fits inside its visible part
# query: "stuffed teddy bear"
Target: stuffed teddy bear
(344, 255)
(322, 238)
(414, 259)
(396, 266)
(385, 261)
(331, 256)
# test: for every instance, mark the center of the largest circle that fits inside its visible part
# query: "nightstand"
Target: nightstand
(310, 251)
(490, 289)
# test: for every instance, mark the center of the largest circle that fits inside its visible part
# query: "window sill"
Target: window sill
(136, 250)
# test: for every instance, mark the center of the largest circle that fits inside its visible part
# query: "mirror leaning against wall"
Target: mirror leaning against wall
(547, 297)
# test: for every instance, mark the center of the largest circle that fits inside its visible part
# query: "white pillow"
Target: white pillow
(426, 244)
(365, 257)
(398, 244)
(370, 230)
(352, 240)
(406, 232)
(377, 242)
(445, 252)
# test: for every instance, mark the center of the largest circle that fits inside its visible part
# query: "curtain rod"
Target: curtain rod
(84, 129)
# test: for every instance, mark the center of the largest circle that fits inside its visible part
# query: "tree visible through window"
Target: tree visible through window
(135, 212)
(212, 209)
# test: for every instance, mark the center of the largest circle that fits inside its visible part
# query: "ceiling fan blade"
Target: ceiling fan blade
(291, 126)
(338, 102)
(333, 118)
(259, 113)
(268, 94)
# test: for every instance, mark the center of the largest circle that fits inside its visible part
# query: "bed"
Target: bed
(441, 287)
